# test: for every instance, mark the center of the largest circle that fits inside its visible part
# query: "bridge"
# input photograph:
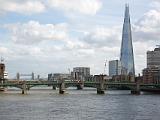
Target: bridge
(101, 85)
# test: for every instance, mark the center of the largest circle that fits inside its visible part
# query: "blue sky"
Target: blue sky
(48, 36)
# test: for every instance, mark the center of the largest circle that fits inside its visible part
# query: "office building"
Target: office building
(153, 58)
(126, 56)
(80, 73)
(151, 75)
(114, 68)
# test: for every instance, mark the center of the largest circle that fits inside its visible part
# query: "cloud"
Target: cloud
(103, 36)
(155, 4)
(33, 32)
(28, 7)
(3, 50)
(88, 7)
(147, 28)
(23, 7)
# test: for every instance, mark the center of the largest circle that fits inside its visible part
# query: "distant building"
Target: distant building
(123, 78)
(97, 78)
(153, 58)
(58, 76)
(127, 56)
(80, 73)
(5, 75)
(2, 70)
(114, 67)
(50, 77)
(151, 75)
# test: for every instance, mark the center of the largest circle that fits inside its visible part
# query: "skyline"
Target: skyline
(62, 35)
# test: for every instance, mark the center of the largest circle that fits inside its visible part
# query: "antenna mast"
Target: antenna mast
(105, 65)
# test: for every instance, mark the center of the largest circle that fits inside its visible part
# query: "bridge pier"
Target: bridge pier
(79, 87)
(136, 90)
(53, 87)
(24, 88)
(61, 87)
(100, 91)
(100, 88)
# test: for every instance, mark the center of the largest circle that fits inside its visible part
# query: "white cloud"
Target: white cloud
(19, 6)
(101, 36)
(148, 27)
(156, 4)
(28, 7)
(34, 32)
(3, 50)
(89, 7)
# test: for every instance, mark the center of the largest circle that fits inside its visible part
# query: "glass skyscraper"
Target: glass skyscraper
(126, 56)
(114, 68)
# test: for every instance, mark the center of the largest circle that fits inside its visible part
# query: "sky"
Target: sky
(53, 36)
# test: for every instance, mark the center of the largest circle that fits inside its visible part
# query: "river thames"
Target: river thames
(85, 104)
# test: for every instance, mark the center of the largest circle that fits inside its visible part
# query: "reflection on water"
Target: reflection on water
(85, 104)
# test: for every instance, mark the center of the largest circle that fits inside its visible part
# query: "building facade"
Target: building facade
(153, 58)
(59, 76)
(81, 73)
(114, 68)
(126, 56)
(2, 70)
(151, 75)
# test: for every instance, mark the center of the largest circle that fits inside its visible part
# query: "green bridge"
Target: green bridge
(100, 85)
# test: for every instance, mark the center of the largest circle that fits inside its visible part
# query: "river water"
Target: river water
(47, 104)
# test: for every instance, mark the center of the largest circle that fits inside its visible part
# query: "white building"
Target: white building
(114, 67)
(153, 58)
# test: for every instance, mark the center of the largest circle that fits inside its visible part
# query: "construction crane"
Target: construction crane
(105, 65)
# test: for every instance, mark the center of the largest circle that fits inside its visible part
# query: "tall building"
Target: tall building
(126, 56)
(81, 73)
(151, 74)
(153, 58)
(114, 68)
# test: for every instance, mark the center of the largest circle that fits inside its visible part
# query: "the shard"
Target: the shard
(126, 56)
